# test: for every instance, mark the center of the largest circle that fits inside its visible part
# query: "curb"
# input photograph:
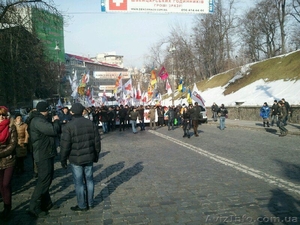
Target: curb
(267, 129)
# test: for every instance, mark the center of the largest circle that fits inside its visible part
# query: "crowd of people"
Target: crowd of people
(75, 133)
(279, 114)
(79, 142)
(130, 117)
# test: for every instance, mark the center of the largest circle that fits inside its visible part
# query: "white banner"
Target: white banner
(158, 6)
(111, 74)
(197, 97)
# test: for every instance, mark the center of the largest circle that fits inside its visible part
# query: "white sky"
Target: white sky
(88, 31)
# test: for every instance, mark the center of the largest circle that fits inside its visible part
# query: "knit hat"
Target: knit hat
(77, 109)
(275, 100)
(42, 107)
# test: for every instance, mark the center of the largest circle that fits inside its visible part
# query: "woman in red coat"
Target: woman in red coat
(8, 143)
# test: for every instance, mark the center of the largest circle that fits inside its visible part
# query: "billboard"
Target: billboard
(111, 74)
(158, 6)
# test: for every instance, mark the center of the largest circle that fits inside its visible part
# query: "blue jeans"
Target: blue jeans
(84, 184)
(222, 122)
(104, 127)
(133, 125)
(142, 124)
(171, 123)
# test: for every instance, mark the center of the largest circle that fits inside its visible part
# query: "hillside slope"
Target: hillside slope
(284, 67)
(256, 83)
(253, 84)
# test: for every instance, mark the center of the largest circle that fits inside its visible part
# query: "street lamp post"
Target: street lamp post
(57, 49)
(172, 50)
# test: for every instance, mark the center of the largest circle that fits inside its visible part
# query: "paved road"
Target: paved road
(235, 176)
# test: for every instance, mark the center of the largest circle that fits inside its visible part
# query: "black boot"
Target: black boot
(264, 124)
(268, 125)
(5, 214)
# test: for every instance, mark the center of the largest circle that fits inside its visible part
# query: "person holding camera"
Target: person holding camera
(42, 135)
(80, 143)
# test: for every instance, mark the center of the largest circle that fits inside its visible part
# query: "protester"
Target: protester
(141, 118)
(214, 109)
(223, 113)
(133, 115)
(151, 114)
(8, 143)
(23, 136)
(265, 113)
(160, 115)
(42, 134)
(111, 119)
(282, 118)
(122, 117)
(186, 122)
(166, 116)
(104, 118)
(274, 113)
(65, 116)
(81, 145)
(30, 148)
(171, 116)
(195, 114)
(288, 111)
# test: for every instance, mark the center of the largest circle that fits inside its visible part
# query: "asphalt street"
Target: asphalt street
(245, 174)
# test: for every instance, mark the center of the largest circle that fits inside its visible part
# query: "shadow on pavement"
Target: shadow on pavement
(284, 207)
(291, 171)
(116, 181)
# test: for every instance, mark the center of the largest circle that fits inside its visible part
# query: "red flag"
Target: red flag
(163, 74)
(138, 92)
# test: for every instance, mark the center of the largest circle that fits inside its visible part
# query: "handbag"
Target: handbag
(175, 121)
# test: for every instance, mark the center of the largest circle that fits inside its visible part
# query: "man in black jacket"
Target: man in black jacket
(80, 143)
(42, 136)
(195, 113)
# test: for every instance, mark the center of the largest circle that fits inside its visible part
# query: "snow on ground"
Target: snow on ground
(254, 94)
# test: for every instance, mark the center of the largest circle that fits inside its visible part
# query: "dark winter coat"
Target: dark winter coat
(222, 111)
(274, 109)
(195, 112)
(80, 142)
(171, 113)
(42, 134)
(123, 113)
(7, 150)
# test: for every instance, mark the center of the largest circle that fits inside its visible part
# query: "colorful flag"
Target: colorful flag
(118, 85)
(145, 97)
(87, 77)
(188, 97)
(153, 78)
(128, 87)
(180, 86)
(150, 92)
(88, 92)
(90, 98)
(197, 97)
(138, 92)
(163, 74)
(104, 97)
(74, 85)
(168, 88)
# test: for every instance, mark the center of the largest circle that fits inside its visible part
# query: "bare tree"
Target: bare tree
(213, 39)
(296, 10)
(24, 70)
